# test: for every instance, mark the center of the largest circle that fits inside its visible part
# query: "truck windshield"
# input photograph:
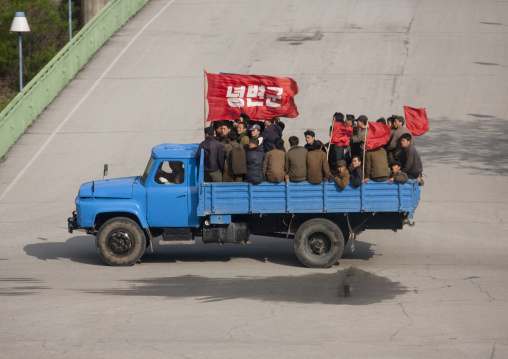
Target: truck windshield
(147, 170)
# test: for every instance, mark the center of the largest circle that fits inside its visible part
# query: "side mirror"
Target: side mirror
(105, 173)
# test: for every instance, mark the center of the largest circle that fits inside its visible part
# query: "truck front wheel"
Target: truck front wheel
(120, 242)
(318, 243)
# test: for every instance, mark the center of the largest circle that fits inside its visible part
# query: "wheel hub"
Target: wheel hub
(319, 244)
(120, 242)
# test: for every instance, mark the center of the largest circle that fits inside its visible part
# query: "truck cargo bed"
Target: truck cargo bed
(305, 197)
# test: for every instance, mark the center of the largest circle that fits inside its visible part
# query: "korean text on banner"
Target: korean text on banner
(260, 97)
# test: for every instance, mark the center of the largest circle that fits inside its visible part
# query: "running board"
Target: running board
(173, 242)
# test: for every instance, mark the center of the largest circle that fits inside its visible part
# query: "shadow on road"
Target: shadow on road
(264, 249)
(476, 145)
(350, 286)
(77, 249)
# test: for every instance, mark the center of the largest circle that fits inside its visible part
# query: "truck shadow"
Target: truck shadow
(473, 143)
(263, 249)
(78, 249)
(81, 249)
(351, 286)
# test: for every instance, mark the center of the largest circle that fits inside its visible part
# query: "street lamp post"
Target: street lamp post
(20, 25)
(70, 20)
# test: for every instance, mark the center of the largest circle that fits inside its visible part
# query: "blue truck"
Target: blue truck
(171, 200)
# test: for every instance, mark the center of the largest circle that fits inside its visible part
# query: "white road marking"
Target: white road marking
(97, 82)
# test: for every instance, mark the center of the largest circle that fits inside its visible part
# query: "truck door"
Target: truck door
(167, 195)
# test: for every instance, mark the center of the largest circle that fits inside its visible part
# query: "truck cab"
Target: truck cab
(171, 183)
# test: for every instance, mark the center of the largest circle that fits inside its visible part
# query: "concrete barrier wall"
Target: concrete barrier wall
(48, 83)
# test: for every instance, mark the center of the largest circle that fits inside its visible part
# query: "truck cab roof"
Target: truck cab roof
(175, 150)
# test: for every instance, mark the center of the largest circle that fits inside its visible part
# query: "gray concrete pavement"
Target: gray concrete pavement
(438, 290)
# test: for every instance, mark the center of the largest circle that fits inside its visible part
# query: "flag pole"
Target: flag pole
(330, 142)
(365, 150)
(204, 97)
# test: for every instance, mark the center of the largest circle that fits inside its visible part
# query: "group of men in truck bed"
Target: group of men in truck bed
(254, 151)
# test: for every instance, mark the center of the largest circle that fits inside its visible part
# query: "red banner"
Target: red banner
(378, 135)
(416, 120)
(260, 97)
(341, 134)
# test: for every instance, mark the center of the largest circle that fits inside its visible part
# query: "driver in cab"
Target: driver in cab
(175, 177)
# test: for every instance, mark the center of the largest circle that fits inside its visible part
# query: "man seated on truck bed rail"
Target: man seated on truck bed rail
(273, 163)
(295, 162)
(342, 174)
(318, 170)
(255, 156)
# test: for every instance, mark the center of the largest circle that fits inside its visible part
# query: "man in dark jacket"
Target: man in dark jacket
(310, 136)
(214, 156)
(336, 152)
(356, 171)
(397, 175)
(393, 147)
(228, 175)
(270, 134)
(255, 156)
(409, 161)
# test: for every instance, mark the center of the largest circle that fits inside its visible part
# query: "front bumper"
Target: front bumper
(72, 222)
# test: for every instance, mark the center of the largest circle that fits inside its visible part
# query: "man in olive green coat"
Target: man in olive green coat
(273, 163)
(242, 138)
(318, 169)
(295, 165)
(342, 177)
(376, 165)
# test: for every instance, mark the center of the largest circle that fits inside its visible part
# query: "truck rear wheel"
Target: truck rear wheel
(120, 242)
(318, 243)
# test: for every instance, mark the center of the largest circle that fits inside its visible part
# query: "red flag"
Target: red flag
(260, 97)
(341, 134)
(378, 135)
(416, 120)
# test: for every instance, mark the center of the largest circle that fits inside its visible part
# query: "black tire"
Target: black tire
(319, 243)
(120, 242)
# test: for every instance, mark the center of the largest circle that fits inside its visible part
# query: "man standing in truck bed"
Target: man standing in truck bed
(214, 156)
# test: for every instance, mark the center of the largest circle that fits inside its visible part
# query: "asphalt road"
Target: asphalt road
(437, 290)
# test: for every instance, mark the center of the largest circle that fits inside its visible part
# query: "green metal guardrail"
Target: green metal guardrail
(40, 92)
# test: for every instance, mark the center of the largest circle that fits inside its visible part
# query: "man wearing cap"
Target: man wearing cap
(357, 142)
(342, 177)
(397, 175)
(214, 156)
(255, 156)
(255, 131)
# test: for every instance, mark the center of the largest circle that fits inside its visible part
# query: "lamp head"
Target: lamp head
(20, 24)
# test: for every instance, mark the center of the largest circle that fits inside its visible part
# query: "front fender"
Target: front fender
(90, 208)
